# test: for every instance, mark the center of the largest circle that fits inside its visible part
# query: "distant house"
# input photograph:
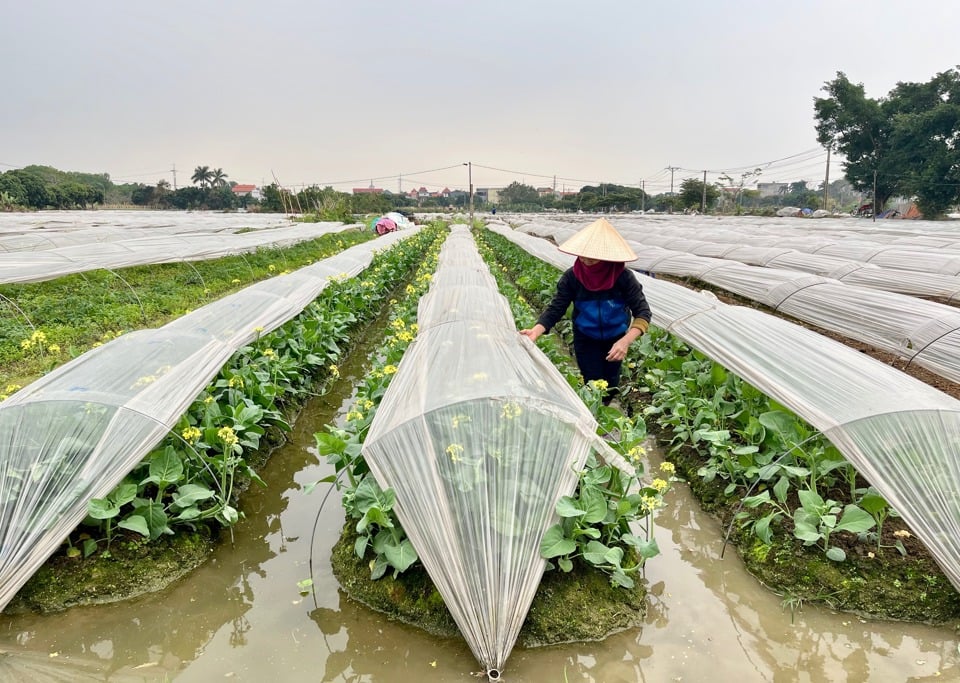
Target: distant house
(772, 189)
(368, 190)
(488, 194)
(251, 191)
(546, 192)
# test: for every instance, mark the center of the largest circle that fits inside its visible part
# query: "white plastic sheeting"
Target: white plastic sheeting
(479, 436)
(89, 252)
(74, 434)
(923, 332)
(899, 433)
(912, 270)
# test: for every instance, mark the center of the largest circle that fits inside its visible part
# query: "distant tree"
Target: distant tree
(691, 193)
(906, 142)
(202, 175)
(218, 178)
(519, 197)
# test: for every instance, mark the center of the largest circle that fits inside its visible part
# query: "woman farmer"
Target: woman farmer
(609, 308)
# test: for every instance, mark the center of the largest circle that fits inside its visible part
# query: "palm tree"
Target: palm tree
(218, 178)
(202, 175)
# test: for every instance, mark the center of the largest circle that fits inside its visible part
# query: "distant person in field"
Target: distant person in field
(609, 308)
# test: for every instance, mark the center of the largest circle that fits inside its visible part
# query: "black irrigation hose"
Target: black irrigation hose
(313, 532)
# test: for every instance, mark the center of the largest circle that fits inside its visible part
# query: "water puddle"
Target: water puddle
(241, 617)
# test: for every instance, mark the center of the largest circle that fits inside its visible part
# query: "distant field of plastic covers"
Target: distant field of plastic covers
(73, 435)
(824, 292)
(899, 433)
(50, 245)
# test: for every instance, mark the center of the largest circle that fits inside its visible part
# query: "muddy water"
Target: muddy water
(241, 617)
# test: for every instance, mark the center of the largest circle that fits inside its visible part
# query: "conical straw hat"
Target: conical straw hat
(600, 241)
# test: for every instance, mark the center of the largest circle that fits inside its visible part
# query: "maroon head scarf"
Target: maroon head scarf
(601, 275)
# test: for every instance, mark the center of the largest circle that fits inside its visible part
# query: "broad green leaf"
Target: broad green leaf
(596, 553)
(836, 554)
(809, 499)
(136, 523)
(401, 556)
(189, 494)
(565, 564)
(102, 508)
(567, 507)
(855, 519)
(594, 504)
(555, 543)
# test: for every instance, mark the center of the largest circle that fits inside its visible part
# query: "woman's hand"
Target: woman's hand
(620, 347)
(534, 332)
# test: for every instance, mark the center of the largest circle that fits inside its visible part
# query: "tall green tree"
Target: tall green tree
(908, 141)
(202, 175)
(519, 196)
(692, 191)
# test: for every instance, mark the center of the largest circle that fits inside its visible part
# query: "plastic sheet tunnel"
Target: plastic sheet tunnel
(478, 435)
(902, 435)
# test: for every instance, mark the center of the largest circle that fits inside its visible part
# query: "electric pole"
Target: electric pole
(671, 169)
(703, 198)
(826, 182)
(174, 171)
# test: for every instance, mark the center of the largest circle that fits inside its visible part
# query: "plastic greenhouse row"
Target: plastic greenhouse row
(36, 266)
(73, 435)
(898, 432)
(913, 268)
(479, 435)
(923, 332)
(50, 229)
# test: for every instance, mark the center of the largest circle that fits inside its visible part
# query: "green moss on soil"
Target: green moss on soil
(131, 568)
(886, 585)
(578, 606)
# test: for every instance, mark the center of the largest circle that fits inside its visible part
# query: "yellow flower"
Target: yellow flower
(235, 281)
(26, 344)
(96, 344)
(367, 404)
(389, 369)
(405, 337)
(53, 348)
(460, 419)
(366, 284)
(599, 384)
(227, 435)
(636, 453)
(454, 450)
(191, 434)
(334, 370)
(650, 503)
(271, 267)
(12, 388)
(269, 353)
(410, 289)
(235, 382)
(397, 323)
(208, 400)
(354, 415)
(668, 467)
(510, 410)
(660, 485)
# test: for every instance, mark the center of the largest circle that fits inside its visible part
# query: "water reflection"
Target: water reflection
(241, 616)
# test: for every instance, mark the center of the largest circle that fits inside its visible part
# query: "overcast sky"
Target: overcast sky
(345, 92)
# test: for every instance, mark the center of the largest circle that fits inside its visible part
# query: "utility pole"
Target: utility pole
(469, 165)
(174, 170)
(703, 198)
(400, 184)
(671, 169)
(826, 182)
